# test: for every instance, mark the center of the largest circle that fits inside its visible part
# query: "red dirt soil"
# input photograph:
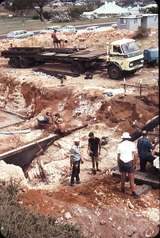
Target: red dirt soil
(100, 199)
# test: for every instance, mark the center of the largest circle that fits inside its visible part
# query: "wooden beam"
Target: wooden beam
(140, 85)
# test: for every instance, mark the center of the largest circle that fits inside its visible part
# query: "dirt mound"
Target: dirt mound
(123, 110)
(87, 38)
(82, 39)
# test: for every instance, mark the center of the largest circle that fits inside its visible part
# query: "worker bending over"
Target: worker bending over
(58, 43)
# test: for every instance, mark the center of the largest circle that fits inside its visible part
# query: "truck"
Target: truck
(121, 56)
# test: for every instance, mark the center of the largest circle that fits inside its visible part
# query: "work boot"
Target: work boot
(123, 190)
(93, 171)
(135, 195)
(98, 170)
(78, 182)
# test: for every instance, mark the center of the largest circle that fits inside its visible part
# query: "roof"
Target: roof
(152, 49)
(149, 6)
(131, 17)
(150, 15)
(110, 8)
(123, 41)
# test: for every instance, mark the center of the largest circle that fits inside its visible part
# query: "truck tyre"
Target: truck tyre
(14, 62)
(26, 62)
(77, 68)
(114, 72)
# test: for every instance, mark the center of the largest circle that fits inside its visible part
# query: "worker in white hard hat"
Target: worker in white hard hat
(126, 157)
(75, 160)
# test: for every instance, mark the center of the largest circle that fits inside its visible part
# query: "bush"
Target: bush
(47, 15)
(35, 17)
(17, 222)
(141, 33)
(75, 11)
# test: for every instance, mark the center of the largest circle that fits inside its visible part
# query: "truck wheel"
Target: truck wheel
(114, 72)
(14, 62)
(77, 68)
(26, 62)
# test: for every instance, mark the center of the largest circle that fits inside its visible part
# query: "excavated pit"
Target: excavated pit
(28, 100)
(106, 116)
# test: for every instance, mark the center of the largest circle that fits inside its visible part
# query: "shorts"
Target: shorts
(56, 41)
(93, 154)
(126, 167)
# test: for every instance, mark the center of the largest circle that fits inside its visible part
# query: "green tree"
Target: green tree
(21, 5)
(75, 11)
(18, 5)
(151, 10)
(38, 6)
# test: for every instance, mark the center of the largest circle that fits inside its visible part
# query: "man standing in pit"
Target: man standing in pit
(94, 148)
(126, 158)
(56, 41)
(75, 160)
(144, 151)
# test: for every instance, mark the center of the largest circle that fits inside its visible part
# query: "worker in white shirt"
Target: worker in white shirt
(75, 160)
(126, 157)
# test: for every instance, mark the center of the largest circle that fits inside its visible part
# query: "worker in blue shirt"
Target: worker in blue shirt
(144, 147)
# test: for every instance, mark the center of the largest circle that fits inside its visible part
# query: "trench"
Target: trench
(22, 102)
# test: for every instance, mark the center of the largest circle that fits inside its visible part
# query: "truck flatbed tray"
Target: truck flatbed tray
(80, 55)
(89, 54)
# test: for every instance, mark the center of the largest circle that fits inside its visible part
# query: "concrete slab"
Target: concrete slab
(23, 155)
(8, 119)
(151, 177)
(143, 189)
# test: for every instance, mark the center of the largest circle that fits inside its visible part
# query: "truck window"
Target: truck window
(117, 49)
(130, 48)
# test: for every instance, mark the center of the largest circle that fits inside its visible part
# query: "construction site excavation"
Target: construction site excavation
(52, 96)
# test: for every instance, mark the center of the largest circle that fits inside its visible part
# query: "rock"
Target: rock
(12, 173)
(130, 205)
(152, 214)
(102, 222)
(59, 220)
(67, 216)
(150, 232)
(130, 230)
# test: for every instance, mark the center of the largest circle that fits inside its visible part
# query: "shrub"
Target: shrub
(75, 11)
(17, 222)
(35, 17)
(141, 33)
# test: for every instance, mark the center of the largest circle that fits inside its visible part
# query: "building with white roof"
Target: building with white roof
(107, 9)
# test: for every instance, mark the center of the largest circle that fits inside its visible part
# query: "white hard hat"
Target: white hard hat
(76, 139)
(125, 135)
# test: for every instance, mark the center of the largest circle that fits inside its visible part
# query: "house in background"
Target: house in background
(131, 23)
(107, 9)
(149, 21)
